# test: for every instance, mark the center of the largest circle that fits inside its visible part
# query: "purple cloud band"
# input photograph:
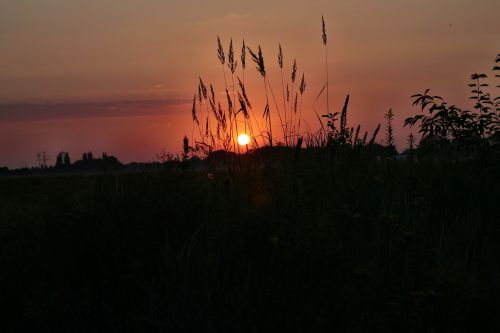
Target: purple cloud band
(36, 112)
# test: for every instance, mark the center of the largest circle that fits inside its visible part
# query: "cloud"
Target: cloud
(38, 112)
(232, 17)
(236, 16)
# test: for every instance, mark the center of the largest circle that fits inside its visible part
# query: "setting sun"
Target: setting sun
(243, 139)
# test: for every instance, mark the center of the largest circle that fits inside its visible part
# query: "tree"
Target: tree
(66, 159)
(59, 159)
(63, 159)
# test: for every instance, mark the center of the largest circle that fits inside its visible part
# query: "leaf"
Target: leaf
(266, 111)
(409, 121)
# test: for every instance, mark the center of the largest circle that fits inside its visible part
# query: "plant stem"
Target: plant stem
(327, 82)
(284, 107)
(277, 108)
(270, 134)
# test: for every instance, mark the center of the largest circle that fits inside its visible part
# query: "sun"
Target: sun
(243, 139)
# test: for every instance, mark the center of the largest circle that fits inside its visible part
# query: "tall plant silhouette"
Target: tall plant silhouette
(453, 123)
(239, 109)
(293, 76)
(280, 64)
(222, 58)
(243, 59)
(302, 89)
(389, 131)
(258, 59)
(325, 43)
(233, 64)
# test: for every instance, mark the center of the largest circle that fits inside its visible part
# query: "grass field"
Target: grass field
(300, 243)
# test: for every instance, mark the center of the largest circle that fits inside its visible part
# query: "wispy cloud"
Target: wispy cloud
(226, 18)
(37, 112)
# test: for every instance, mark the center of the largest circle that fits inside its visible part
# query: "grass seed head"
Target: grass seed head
(323, 30)
(258, 59)
(294, 71)
(243, 55)
(231, 63)
(302, 85)
(220, 52)
(280, 57)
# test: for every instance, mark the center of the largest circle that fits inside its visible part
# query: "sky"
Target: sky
(118, 76)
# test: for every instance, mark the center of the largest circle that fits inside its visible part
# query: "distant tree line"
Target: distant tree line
(63, 159)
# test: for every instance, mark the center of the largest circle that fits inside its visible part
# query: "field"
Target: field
(293, 242)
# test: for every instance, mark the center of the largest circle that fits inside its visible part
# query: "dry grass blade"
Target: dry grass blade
(243, 92)
(319, 119)
(200, 94)
(203, 89)
(321, 92)
(212, 100)
(229, 103)
(243, 107)
(356, 136)
(266, 111)
(374, 136)
(364, 138)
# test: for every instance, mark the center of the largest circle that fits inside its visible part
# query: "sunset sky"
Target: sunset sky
(118, 76)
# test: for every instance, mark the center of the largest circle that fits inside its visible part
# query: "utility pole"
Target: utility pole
(42, 159)
(39, 159)
(45, 158)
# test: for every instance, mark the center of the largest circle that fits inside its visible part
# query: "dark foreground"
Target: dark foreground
(309, 245)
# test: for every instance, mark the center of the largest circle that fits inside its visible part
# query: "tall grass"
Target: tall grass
(289, 115)
(325, 40)
(363, 246)
(449, 122)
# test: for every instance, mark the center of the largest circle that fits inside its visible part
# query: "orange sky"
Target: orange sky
(381, 52)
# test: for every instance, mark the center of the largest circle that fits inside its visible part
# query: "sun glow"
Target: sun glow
(243, 139)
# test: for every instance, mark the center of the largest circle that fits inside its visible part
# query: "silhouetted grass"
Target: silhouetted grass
(307, 241)
(340, 236)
